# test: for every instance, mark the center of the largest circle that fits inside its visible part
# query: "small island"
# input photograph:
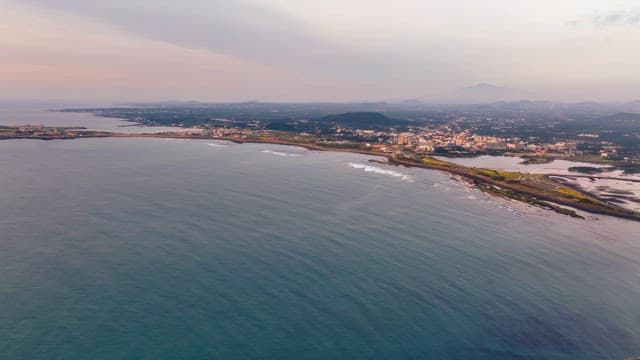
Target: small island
(586, 170)
(536, 160)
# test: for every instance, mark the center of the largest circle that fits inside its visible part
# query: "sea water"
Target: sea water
(159, 249)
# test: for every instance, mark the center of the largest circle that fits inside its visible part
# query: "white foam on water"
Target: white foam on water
(216, 145)
(278, 153)
(377, 170)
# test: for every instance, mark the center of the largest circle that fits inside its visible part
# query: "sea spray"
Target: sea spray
(377, 170)
(278, 153)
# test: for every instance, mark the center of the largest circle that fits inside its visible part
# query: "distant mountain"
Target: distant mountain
(483, 93)
(623, 117)
(632, 107)
(588, 105)
(619, 121)
(411, 102)
(362, 119)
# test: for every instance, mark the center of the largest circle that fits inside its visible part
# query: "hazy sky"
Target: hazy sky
(305, 50)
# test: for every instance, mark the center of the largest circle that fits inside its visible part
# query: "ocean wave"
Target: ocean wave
(278, 153)
(377, 170)
(216, 145)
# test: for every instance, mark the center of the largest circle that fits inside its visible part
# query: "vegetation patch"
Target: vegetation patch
(501, 175)
(536, 160)
(567, 192)
(433, 161)
(586, 170)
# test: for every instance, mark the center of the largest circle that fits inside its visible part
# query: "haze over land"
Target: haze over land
(319, 51)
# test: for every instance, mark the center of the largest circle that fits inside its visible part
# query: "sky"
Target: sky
(317, 50)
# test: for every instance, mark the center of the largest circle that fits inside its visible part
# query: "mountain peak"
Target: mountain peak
(484, 93)
(484, 85)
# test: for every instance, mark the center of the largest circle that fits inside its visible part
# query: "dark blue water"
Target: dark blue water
(158, 249)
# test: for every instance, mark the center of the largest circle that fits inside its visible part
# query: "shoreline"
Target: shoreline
(536, 192)
(503, 189)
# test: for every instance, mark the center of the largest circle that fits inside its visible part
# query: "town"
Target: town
(599, 135)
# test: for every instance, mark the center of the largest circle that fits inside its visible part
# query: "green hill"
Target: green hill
(363, 120)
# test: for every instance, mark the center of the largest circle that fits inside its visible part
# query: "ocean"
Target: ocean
(179, 249)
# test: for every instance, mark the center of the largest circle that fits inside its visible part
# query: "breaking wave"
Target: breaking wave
(278, 153)
(377, 170)
(216, 145)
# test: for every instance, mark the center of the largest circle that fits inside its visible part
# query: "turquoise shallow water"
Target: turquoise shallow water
(148, 249)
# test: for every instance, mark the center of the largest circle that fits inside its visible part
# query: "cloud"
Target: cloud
(617, 18)
(241, 29)
(244, 30)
